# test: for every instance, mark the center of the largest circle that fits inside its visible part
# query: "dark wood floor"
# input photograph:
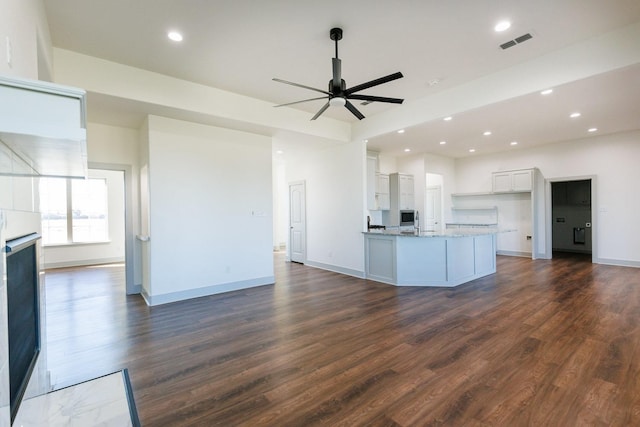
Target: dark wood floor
(540, 343)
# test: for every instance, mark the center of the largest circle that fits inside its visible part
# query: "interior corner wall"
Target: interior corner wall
(335, 204)
(612, 159)
(210, 210)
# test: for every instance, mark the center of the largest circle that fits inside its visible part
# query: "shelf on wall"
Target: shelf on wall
(474, 208)
(490, 193)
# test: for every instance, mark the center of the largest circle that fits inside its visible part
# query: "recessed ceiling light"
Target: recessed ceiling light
(175, 36)
(514, 142)
(487, 133)
(443, 142)
(406, 150)
(366, 140)
(502, 26)
(593, 129)
(574, 115)
(546, 92)
(472, 150)
(279, 152)
(401, 131)
(448, 118)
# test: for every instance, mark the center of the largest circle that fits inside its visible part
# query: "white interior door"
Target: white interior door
(297, 228)
(432, 217)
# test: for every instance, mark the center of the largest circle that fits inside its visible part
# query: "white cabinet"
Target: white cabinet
(407, 197)
(371, 182)
(377, 187)
(513, 181)
(382, 199)
(401, 196)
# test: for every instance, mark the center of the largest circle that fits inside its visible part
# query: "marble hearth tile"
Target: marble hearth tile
(102, 401)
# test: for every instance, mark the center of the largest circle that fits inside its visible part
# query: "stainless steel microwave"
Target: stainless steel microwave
(407, 218)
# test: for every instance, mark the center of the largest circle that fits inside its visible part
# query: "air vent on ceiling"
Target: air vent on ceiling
(517, 40)
(508, 44)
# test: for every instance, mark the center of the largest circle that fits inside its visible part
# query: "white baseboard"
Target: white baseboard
(336, 269)
(514, 253)
(618, 262)
(82, 263)
(152, 300)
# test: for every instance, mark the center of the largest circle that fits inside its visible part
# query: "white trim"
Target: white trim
(336, 269)
(514, 253)
(617, 262)
(152, 300)
(83, 262)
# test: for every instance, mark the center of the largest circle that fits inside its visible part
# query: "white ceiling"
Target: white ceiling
(241, 45)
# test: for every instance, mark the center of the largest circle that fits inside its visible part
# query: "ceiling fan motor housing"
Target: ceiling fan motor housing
(335, 34)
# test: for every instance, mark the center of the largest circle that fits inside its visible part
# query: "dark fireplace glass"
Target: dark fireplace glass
(23, 318)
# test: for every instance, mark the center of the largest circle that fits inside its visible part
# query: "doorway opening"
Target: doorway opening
(89, 222)
(571, 219)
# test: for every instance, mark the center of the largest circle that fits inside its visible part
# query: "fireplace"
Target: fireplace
(23, 314)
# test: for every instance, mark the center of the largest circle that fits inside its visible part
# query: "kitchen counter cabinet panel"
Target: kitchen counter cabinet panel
(435, 260)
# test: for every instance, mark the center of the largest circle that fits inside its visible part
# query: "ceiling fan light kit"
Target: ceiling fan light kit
(338, 94)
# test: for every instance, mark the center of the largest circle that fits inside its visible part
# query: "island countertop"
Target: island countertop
(447, 258)
(456, 232)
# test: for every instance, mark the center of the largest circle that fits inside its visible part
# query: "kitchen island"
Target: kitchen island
(448, 258)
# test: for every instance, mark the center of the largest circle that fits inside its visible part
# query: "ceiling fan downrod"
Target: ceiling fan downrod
(336, 34)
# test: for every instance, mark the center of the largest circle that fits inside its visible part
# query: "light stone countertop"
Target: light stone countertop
(457, 232)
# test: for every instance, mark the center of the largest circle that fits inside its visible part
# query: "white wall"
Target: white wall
(210, 210)
(336, 204)
(280, 202)
(612, 159)
(23, 22)
(96, 253)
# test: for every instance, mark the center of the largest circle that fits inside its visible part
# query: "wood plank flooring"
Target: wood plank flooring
(539, 343)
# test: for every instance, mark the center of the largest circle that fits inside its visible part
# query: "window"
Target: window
(74, 211)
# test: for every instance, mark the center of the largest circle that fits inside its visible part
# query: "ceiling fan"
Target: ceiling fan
(338, 93)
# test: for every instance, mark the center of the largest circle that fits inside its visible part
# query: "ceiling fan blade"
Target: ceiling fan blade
(373, 83)
(298, 102)
(354, 110)
(324, 107)
(337, 73)
(302, 86)
(377, 99)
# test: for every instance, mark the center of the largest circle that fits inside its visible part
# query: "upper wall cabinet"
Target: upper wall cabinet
(513, 181)
(401, 192)
(42, 129)
(377, 186)
(382, 201)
